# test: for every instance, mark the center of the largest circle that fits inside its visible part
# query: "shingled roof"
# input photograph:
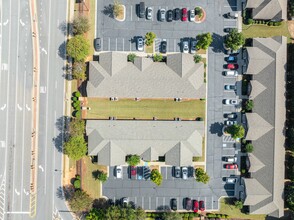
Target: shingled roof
(178, 77)
(266, 125)
(268, 9)
(112, 140)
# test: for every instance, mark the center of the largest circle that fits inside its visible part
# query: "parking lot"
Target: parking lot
(120, 36)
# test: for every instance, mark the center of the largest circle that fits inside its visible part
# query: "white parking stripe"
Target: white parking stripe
(175, 43)
(142, 202)
(109, 43)
(115, 44)
(135, 200)
(156, 204)
(211, 202)
(163, 201)
(166, 173)
(149, 202)
(130, 46)
(228, 6)
(131, 12)
(123, 44)
(102, 43)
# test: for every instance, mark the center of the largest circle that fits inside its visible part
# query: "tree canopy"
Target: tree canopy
(203, 41)
(80, 201)
(78, 48)
(80, 25)
(172, 216)
(236, 131)
(234, 40)
(133, 160)
(249, 148)
(201, 176)
(149, 38)
(75, 147)
(76, 127)
(79, 70)
(156, 177)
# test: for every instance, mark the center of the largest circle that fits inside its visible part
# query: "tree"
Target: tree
(75, 147)
(117, 8)
(102, 176)
(157, 57)
(79, 70)
(78, 48)
(197, 58)
(238, 204)
(149, 38)
(172, 216)
(249, 148)
(156, 177)
(140, 214)
(201, 176)
(289, 194)
(203, 41)
(133, 160)
(237, 131)
(95, 214)
(76, 127)
(234, 40)
(80, 201)
(131, 57)
(80, 25)
(77, 184)
(249, 105)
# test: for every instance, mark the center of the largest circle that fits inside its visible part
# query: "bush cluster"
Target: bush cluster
(269, 23)
(183, 214)
(213, 215)
(76, 104)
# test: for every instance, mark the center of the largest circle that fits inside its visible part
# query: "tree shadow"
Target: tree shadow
(65, 192)
(216, 128)
(62, 50)
(108, 10)
(217, 43)
(61, 125)
(65, 28)
(96, 174)
(100, 203)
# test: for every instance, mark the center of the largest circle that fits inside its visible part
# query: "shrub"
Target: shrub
(250, 21)
(77, 184)
(234, 40)
(156, 177)
(77, 114)
(197, 58)
(77, 94)
(199, 12)
(236, 131)
(131, 57)
(80, 25)
(157, 58)
(78, 48)
(149, 38)
(117, 8)
(133, 160)
(204, 40)
(201, 176)
(249, 148)
(249, 105)
(74, 99)
(238, 204)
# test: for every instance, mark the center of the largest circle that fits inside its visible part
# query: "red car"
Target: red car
(184, 14)
(133, 172)
(195, 206)
(231, 166)
(232, 66)
(201, 204)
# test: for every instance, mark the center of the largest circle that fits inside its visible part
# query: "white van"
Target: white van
(231, 73)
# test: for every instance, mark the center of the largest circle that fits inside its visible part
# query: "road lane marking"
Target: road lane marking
(131, 13)
(19, 107)
(43, 49)
(17, 193)
(28, 108)
(6, 22)
(26, 192)
(3, 107)
(21, 22)
(41, 168)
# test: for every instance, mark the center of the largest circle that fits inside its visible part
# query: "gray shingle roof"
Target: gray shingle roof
(255, 163)
(112, 140)
(266, 126)
(113, 76)
(268, 9)
(255, 192)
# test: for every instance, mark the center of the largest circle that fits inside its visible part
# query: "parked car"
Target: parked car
(231, 59)
(162, 14)
(140, 173)
(193, 45)
(133, 172)
(229, 123)
(232, 15)
(140, 44)
(230, 87)
(142, 10)
(169, 16)
(184, 14)
(188, 203)
(184, 173)
(230, 73)
(177, 14)
(195, 206)
(163, 45)
(185, 46)
(118, 172)
(149, 12)
(177, 172)
(232, 66)
(231, 159)
(192, 15)
(232, 115)
(97, 44)
(173, 204)
(231, 180)
(228, 29)
(231, 166)
(231, 101)
(124, 201)
(201, 205)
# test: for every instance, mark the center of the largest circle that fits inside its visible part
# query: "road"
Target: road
(16, 60)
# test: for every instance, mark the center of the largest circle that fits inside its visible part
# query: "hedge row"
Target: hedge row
(269, 23)
(212, 215)
(184, 214)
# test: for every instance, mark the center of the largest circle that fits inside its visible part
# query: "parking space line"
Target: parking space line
(163, 201)
(115, 44)
(175, 45)
(149, 202)
(142, 202)
(123, 44)
(109, 43)
(211, 202)
(156, 203)
(166, 173)
(135, 200)
(131, 13)
(229, 6)
(130, 46)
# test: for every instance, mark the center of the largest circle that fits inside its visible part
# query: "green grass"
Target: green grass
(145, 109)
(233, 212)
(89, 184)
(261, 30)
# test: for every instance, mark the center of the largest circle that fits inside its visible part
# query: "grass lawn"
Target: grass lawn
(145, 109)
(89, 184)
(261, 30)
(233, 212)
(91, 33)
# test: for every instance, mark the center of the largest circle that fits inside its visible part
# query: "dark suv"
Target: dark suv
(173, 204)
(188, 204)
(177, 14)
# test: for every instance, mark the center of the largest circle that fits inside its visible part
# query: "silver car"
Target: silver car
(149, 11)
(177, 172)
(162, 14)
(185, 47)
(231, 101)
(184, 173)
(140, 44)
(118, 172)
(192, 15)
(229, 123)
(231, 180)
(230, 87)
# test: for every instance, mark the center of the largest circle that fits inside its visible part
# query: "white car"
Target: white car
(230, 87)
(184, 173)
(229, 123)
(231, 101)
(118, 172)
(140, 44)
(185, 47)
(231, 180)
(231, 73)
(162, 14)
(192, 15)
(149, 11)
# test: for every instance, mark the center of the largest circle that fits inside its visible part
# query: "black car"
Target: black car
(163, 46)
(97, 44)
(169, 15)
(173, 204)
(177, 172)
(177, 14)
(188, 204)
(228, 30)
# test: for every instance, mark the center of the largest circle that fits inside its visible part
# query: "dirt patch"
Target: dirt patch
(154, 167)
(291, 29)
(69, 174)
